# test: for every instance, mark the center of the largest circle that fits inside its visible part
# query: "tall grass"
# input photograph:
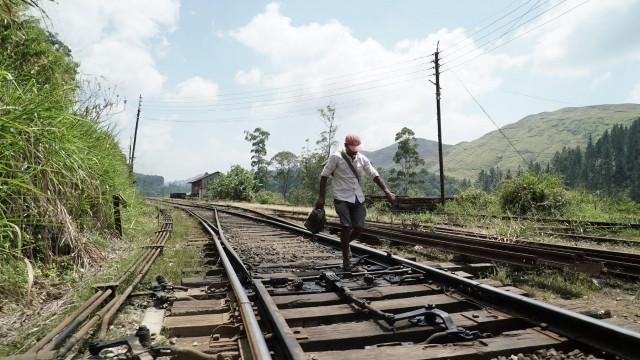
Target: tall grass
(60, 164)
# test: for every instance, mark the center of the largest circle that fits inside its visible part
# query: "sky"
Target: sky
(209, 70)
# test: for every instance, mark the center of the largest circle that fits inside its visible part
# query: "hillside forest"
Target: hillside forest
(607, 166)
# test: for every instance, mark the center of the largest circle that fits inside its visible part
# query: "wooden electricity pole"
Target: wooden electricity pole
(437, 84)
(135, 134)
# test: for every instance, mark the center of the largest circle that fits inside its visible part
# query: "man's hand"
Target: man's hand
(391, 197)
(319, 203)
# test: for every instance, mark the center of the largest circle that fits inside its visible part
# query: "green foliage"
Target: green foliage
(269, 197)
(154, 185)
(238, 184)
(60, 164)
(327, 141)
(408, 158)
(537, 194)
(537, 137)
(610, 166)
(285, 170)
(259, 163)
(472, 201)
(310, 166)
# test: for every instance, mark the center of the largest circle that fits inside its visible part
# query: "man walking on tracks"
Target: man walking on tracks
(346, 167)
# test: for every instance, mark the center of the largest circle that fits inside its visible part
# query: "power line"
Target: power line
(492, 40)
(293, 87)
(222, 108)
(515, 37)
(488, 116)
(478, 31)
(507, 24)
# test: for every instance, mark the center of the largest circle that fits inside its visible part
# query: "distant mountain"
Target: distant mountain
(428, 150)
(536, 137)
(154, 185)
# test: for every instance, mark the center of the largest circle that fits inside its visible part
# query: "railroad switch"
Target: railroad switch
(160, 287)
(135, 344)
(429, 315)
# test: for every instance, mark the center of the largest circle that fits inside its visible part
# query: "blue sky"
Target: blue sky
(208, 70)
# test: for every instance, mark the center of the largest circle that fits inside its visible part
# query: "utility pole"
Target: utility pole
(135, 134)
(437, 84)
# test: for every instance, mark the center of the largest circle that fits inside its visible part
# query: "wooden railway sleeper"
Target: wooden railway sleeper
(428, 315)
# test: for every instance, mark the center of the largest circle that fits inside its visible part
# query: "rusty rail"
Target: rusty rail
(64, 336)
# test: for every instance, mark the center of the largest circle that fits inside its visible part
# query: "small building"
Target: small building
(200, 183)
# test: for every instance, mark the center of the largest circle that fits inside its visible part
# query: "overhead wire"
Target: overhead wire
(301, 86)
(303, 110)
(489, 116)
(297, 100)
(293, 87)
(455, 65)
(511, 24)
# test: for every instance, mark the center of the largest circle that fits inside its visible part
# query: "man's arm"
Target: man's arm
(322, 193)
(373, 174)
(390, 196)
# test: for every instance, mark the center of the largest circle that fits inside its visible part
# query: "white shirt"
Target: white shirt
(345, 184)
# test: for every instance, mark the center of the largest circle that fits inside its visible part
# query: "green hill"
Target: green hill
(537, 137)
(428, 149)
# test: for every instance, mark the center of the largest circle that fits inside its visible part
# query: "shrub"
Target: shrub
(473, 200)
(269, 197)
(237, 184)
(302, 196)
(538, 194)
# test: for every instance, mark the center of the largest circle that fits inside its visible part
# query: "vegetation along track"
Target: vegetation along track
(389, 307)
(518, 252)
(100, 308)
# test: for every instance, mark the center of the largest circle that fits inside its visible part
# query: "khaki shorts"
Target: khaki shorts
(351, 215)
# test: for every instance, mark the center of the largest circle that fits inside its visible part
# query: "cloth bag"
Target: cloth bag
(316, 221)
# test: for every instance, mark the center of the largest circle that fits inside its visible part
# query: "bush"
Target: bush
(473, 201)
(237, 184)
(301, 196)
(537, 194)
(269, 197)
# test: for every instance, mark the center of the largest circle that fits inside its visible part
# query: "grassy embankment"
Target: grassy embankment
(60, 165)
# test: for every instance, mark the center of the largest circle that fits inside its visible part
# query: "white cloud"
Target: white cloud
(197, 87)
(597, 33)
(114, 39)
(598, 80)
(248, 77)
(634, 95)
(377, 90)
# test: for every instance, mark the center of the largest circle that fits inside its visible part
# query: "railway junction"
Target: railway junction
(263, 287)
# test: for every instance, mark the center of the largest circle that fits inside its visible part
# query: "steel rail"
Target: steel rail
(75, 319)
(606, 337)
(257, 343)
(519, 252)
(282, 330)
(63, 324)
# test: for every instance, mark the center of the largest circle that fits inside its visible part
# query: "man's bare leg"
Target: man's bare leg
(345, 239)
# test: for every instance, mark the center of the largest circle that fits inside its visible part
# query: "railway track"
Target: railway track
(266, 288)
(517, 252)
(308, 309)
(560, 231)
(100, 308)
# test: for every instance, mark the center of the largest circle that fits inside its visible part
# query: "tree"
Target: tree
(327, 140)
(259, 164)
(237, 184)
(408, 158)
(285, 170)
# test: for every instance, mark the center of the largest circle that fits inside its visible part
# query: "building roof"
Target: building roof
(201, 176)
